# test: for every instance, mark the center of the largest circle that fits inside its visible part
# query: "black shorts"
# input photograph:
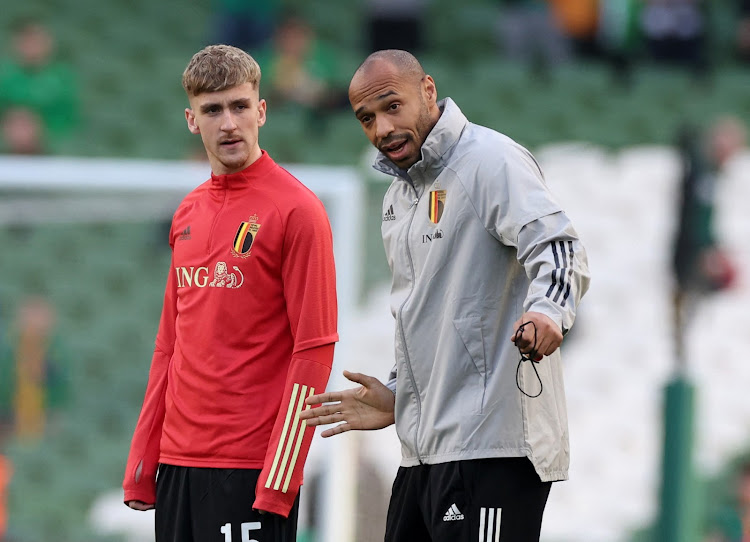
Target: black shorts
(207, 505)
(484, 500)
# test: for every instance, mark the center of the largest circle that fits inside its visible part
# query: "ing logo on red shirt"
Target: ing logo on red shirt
(198, 277)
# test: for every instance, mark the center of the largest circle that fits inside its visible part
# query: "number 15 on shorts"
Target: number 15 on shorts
(245, 528)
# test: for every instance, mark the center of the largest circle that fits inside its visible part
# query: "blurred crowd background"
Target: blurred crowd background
(89, 79)
(80, 299)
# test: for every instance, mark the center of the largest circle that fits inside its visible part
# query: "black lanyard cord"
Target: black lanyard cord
(527, 357)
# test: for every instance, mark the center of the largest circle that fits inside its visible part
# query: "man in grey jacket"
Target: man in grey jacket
(487, 275)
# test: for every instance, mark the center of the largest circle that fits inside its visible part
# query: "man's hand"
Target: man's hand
(264, 512)
(548, 335)
(140, 505)
(367, 407)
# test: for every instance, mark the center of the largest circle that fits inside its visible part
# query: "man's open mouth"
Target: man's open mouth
(394, 147)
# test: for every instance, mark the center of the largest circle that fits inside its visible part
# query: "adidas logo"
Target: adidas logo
(185, 235)
(453, 514)
(389, 214)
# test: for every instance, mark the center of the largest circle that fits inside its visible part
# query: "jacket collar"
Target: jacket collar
(439, 141)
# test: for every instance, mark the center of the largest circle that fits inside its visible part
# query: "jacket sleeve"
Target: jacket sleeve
(519, 210)
(143, 459)
(310, 290)
(556, 264)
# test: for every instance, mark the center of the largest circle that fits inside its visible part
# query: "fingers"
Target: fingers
(326, 415)
(524, 334)
(317, 412)
(335, 430)
(540, 338)
(325, 420)
(337, 396)
(322, 415)
(542, 347)
(547, 345)
(550, 340)
(328, 397)
(516, 335)
(523, 337)
(140, 506)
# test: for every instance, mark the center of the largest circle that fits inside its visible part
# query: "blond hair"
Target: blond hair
(219, 67)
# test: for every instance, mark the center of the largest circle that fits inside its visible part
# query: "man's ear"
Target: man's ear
(429, 89)
(190, 117)
(261, 112)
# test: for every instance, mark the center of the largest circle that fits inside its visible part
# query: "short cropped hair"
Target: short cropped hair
(219, 67)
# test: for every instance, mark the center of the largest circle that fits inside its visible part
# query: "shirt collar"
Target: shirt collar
(256, 170)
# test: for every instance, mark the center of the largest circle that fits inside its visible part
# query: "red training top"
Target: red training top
(246, 334)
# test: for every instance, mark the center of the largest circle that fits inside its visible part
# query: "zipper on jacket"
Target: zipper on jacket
(403, 334)
(216, 219)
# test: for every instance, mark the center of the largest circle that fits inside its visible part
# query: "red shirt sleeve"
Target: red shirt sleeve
(281, 476)
(310, 290)
(309, 276)
(143, 460)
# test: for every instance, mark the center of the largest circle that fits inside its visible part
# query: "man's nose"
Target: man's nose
(227, 122)
(383, 127)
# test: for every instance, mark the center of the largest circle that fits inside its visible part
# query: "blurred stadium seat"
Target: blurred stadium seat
(130, 56)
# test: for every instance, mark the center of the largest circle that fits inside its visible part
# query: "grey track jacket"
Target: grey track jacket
(474, 239)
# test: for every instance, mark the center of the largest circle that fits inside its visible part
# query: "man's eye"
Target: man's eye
(364, 120)
(394, 107)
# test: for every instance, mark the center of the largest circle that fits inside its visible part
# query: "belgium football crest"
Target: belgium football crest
(243, 240)
(437, 204)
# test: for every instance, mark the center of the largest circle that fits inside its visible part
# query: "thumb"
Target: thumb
(359, 378)
(515, 335)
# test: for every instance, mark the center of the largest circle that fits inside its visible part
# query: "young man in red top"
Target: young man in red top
(246, 332)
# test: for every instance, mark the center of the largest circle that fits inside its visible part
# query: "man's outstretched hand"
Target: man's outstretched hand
(370, 406)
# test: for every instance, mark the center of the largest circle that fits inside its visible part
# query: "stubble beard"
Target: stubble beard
(423, 129)
(233, 161)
